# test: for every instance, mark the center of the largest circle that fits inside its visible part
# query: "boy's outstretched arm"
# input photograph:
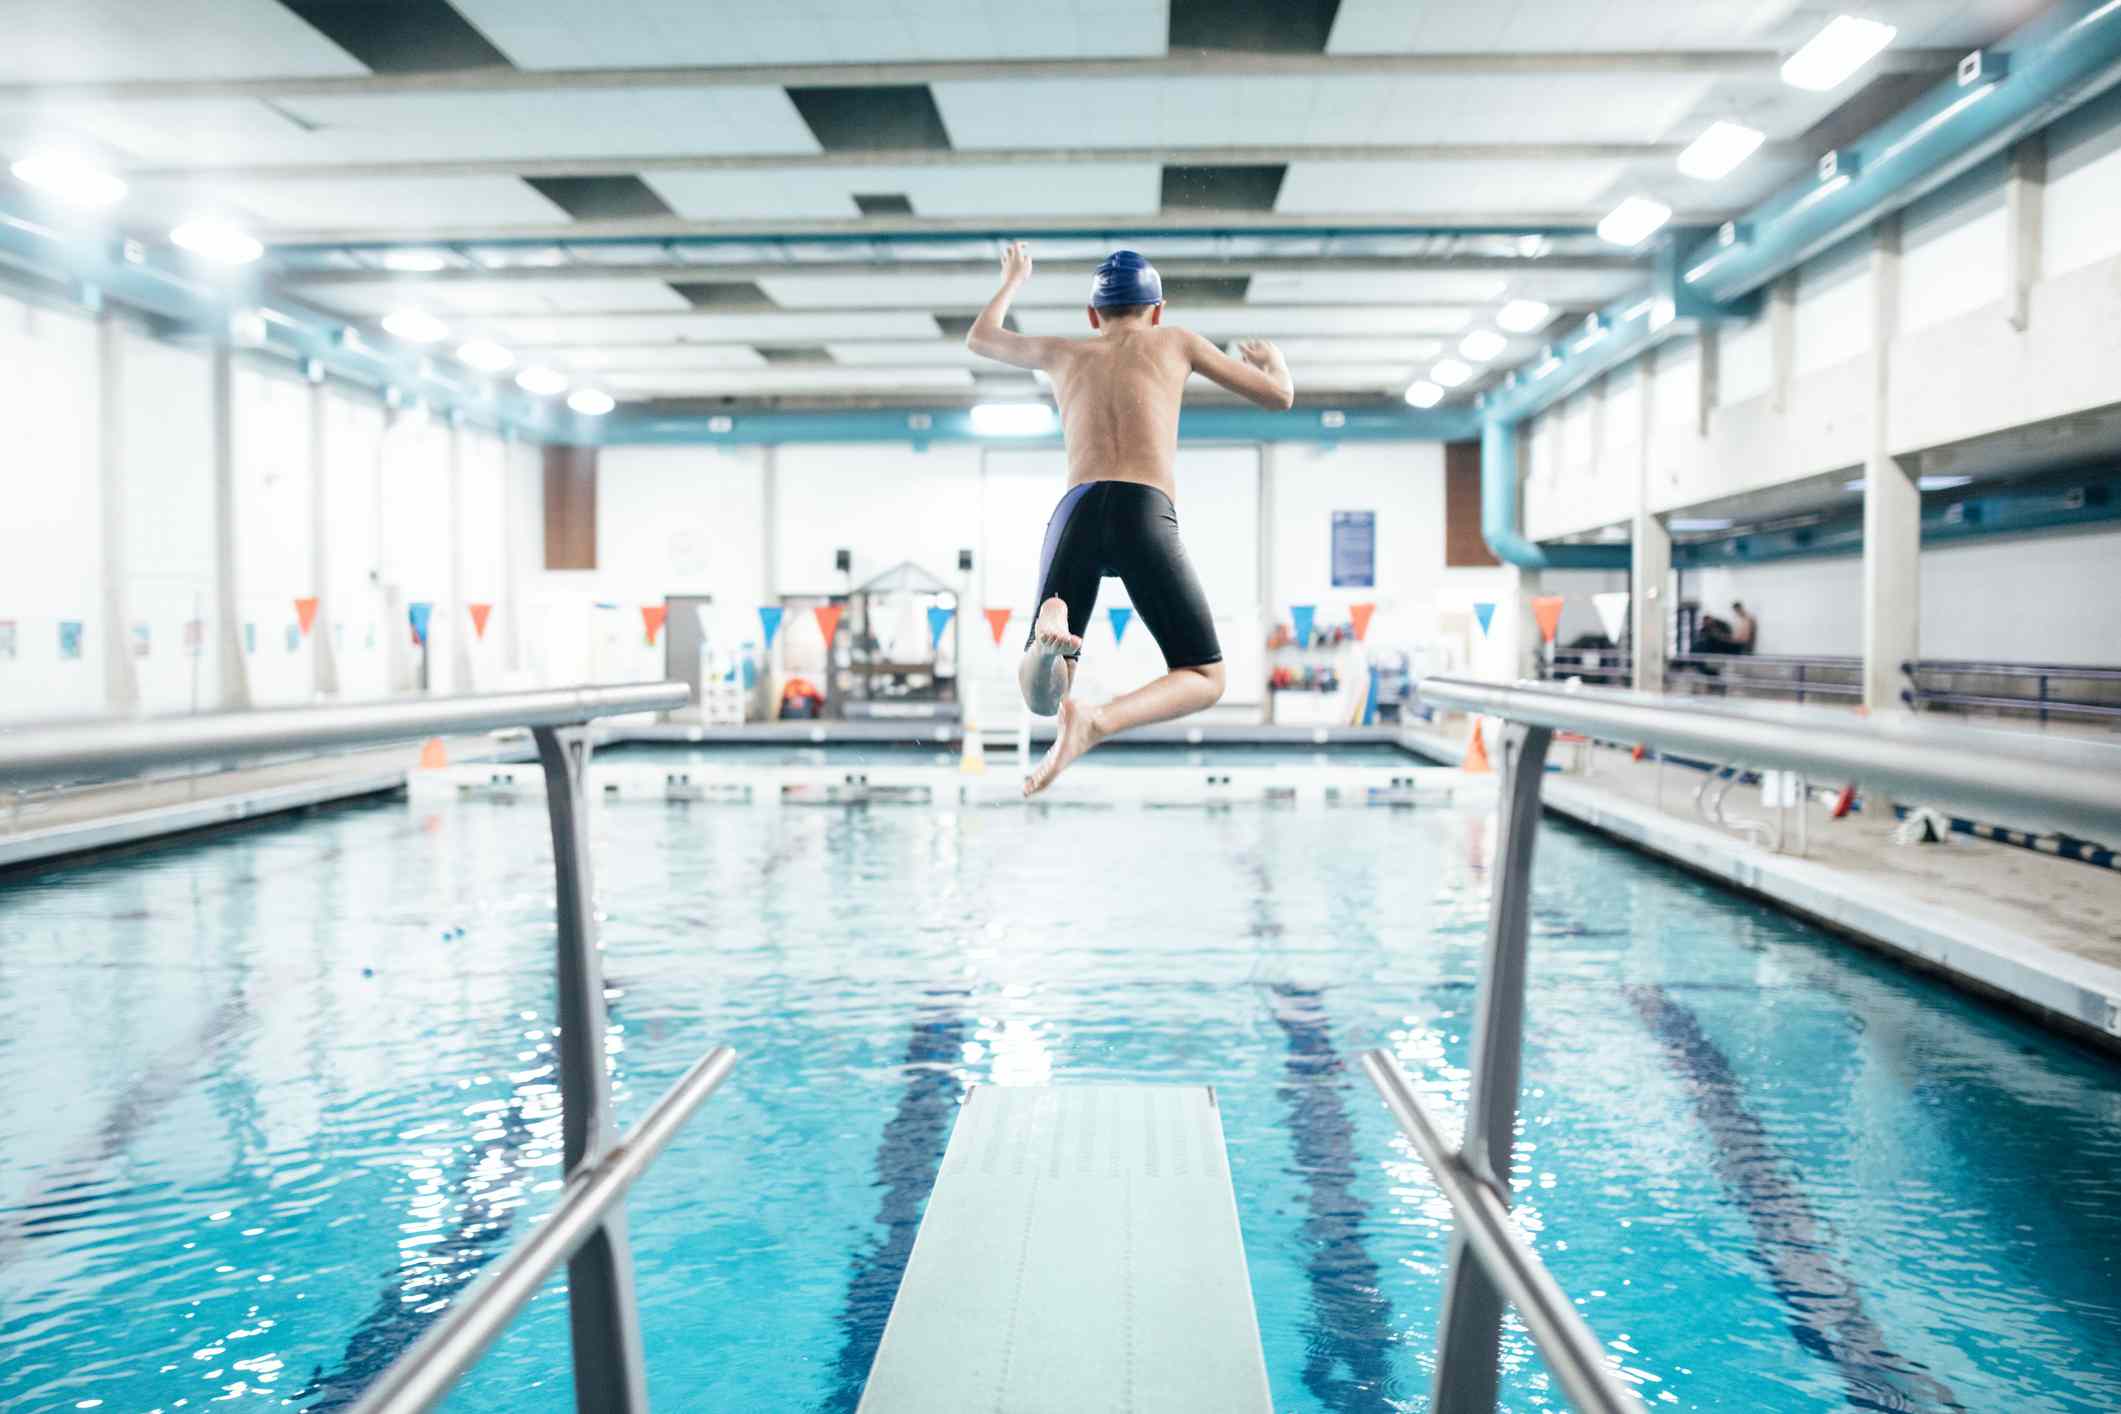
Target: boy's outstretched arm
(989, 338)
(1261, 376)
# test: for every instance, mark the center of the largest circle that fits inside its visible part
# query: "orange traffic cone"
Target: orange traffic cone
(434, 755)
(1477, 752)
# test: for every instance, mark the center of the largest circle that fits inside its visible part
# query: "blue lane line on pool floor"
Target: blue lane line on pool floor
(907, 1160)
(1825, 1307)
(1347, 1362)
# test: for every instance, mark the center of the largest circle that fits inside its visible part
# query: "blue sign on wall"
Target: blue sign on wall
(1354, 549)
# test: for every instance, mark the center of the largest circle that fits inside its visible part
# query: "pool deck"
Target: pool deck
(2036, 931)
(38, 827)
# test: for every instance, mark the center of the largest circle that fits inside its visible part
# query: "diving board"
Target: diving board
(1080, 1251)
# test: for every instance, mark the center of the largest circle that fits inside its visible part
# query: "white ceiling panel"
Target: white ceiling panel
(1316, 352)
(377, 204)
(1395, 27)
(561, 34)
(1444, 187)
(54, 41)
(783, 379)
(1276, 323)
(901, 353)
(882, 290)
(713, 328)
(1375, 287)
(677, 356)
(1353, 109)
(523, 297)
(1074, 189)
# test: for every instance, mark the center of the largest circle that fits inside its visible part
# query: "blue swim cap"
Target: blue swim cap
(1126, 278)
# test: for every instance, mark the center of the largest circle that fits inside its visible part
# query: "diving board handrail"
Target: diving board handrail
(1571, 1352)
(588, 1231)
(419, 1378)
(34, 753)
(2066, 783)
(2070, 784)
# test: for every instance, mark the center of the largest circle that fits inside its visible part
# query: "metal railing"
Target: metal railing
(587, 1230)
(2068, 784)
(2043, 703)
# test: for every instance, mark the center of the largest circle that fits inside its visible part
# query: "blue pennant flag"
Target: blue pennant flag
(938, 620)
(419, 614)
(770, 620)
(1301, 617)
(1485, 613)
(1121, 617)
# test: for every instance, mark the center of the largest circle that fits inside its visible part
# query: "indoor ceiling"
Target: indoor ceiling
(802, 203)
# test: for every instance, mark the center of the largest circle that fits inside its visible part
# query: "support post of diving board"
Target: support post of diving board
(1468, 1361)
(603, 1320)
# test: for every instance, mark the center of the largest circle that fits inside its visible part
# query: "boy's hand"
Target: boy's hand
(1016, 263)
(1260, 353)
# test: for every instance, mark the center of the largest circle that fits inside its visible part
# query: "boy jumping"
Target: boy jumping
(1119, 394)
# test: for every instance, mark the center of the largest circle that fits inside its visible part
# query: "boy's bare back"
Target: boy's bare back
(1119, 390)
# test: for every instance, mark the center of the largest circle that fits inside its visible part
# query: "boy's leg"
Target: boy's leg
(1068, 571)
(1175, 694)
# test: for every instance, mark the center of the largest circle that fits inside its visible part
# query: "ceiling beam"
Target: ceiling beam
(1735, 63)
(1223, 156)
(966, 307)
(757, 270)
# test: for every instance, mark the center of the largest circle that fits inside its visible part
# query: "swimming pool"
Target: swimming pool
(295, 1093)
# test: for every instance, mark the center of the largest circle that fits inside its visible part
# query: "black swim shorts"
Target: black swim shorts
(1127, 529)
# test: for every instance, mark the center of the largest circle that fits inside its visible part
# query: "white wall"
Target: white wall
(169, 543)
(2045, 599)
(275, 532)
(353, 613)
(51, 561)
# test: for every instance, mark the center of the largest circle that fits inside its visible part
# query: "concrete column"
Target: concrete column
(121, 678)
(1892, 503)
(228, 610)
(1782, 336)
(1263, 540)
(511, 555)
(323, 652)
(452, 606)
(1709, 388)
(1650, 567)
(2025, 196)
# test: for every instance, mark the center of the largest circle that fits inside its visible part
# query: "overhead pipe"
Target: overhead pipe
(2068, 55)
(922, 426)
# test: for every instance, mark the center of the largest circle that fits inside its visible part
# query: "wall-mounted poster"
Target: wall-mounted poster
(69, 638)
(194, 637)
(1354, 549)
(250, 638)
(143, 640)
(294, 638)
(7, 638)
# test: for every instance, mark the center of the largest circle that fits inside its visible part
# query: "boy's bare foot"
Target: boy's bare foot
(1051, 630)
(1078, 733)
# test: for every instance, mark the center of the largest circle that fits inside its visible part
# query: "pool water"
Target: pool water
(275, 1096)
(1119, 753)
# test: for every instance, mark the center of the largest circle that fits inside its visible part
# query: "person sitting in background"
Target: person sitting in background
(1745, 630)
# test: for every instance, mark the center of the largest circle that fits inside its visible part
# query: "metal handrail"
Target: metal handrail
(588, 1230)
(2062, 782)
(2087, 672)
(425, 1372)
(74, 749)
(2071, 783)
(1571, 1351)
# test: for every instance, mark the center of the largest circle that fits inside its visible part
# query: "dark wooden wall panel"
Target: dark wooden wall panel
(570, 508)
(1463, 546)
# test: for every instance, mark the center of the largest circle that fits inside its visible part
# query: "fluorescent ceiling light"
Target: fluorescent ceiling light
(1482, 345)
(1522, 316)
(414, 262)
(486, 356)
(415, 326)
(1718, 151)
(1450, 373)
(1844, 46)
(1703, 523)
(541, 382)
(1924, 483)
(1424, 395)
(1012, 419)
(590, 402)
(1633, 221)
(218, 242)
(69, 180)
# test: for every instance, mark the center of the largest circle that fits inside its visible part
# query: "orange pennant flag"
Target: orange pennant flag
(828, 620)
(998, 620)
(306, 613)
(1360, 613)
(480, 613)
(652, 615)
(1547, 610)
(1477, 752)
